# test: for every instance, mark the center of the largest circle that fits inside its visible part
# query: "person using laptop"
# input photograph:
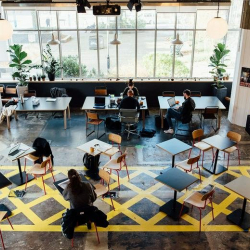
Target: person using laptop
(182, 113)
(129, 102)
(131, 86)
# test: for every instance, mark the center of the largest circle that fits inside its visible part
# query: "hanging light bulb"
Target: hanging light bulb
(217, 27)
(53, 41)
(177, 40)
(6, 29)
(115, 41)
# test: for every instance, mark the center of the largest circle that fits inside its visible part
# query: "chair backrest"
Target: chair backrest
(193, 160)
(104, 175)
(92, 116)
(101, 91)
(115, 138)
(2, 89)
(211, 110)
(234, 136)
(121, 158)
(168, 93)
(208, 195)
(129, 115)
(10, 90)
(46, 164)
(196, 93)
(29, 93)
(197, 133)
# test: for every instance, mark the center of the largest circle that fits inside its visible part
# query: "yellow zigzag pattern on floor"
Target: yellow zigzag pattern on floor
(144, 225)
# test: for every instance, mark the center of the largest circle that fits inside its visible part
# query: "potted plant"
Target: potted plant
(51, 65)
(218, 69)
(39, 77)
(43, 77)
(34, 77)
(23, 66)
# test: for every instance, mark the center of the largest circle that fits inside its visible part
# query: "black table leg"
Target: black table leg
(173, 160)
(94, 173)
(240, 217)
(20, 179)
(173, 208)
(215, 168)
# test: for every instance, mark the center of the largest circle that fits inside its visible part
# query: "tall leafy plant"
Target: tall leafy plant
(21, 63)
(216, 62)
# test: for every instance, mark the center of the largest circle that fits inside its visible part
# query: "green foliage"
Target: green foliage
(19, 61)
(218, 68)
(164, 65)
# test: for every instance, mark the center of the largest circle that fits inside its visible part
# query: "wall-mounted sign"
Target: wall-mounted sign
(245, 77)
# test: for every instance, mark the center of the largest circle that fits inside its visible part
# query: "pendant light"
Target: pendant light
(6, 29)
(115, 41)
(217, 27)
(177, 40)
(53, 41)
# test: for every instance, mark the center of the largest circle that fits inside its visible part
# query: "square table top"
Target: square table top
(6, 151)
(174, 146)
(60, 104)
(103, 146)
(200, 102)
(90, 101)
(219, 142)
(176, 179)
(240, 186)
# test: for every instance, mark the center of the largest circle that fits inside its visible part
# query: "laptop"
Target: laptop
(99, 102)
(172, 104)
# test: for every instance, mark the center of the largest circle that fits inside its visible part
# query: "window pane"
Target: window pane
(22, 19)
(5, 70)
(89, 54)
(127, 54)
(145, 53)
(47, 20)
(126, 20)
(183, 55)
(165, 20)
(106, 22)
(70, 57)
(107, 54)
(164, 57)
(86, 20)
(67, 19)
(146, 19)
(185, 20)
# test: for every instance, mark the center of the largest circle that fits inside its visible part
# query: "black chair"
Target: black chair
(168, 93)
(195, 94)
(177, 128)
(210, 113)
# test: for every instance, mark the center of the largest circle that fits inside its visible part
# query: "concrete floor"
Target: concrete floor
(141, 153)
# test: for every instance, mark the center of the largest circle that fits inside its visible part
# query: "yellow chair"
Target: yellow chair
(93, 119)
(114, 139)
(2, 215)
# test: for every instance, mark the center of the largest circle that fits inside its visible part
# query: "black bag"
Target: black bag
(89, 161)
(147, 133)
(69, 221)
(112, 124)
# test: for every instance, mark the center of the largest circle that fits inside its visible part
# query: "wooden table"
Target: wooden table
(99, 147)
(239, 217)
(88, 105)
(18, 179)
(200, 102)
(176, 180)
(61, 104)
(220, 143)
(174, 147)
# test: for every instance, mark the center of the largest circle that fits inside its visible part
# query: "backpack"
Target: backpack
(111, 124)
(147, 133)
(89, 161)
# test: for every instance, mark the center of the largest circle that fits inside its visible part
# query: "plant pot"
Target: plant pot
(21, 89)
(221, 93)
(43, 78)
(51, 76)
(39, 79)
(30, 79)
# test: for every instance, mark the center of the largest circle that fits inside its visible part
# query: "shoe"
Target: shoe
(169, 131)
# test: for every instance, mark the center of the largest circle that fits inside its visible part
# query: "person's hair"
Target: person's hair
(187, 92)
(130, 82)
(75, 181)
(130, 92)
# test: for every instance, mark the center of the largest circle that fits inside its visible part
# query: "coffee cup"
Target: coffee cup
(91, 150)
(141, 103)
(177, 102)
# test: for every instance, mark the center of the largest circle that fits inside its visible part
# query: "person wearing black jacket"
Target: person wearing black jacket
(183, 113)
(129, 102)
(131, 86)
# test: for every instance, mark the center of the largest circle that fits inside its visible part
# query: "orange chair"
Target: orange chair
(114, 139)
(200, 201)
(234, 137)
(2, 215)
(168, 93)
(117, 164)
(40, 170)
(93, 119)
(101, 91)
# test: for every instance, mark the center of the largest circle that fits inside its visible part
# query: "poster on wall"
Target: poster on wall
(245, 77)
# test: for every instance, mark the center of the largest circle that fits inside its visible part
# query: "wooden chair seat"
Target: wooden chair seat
(184, 165)
(2, 214)
(195, 199)
(36, 170)
(203, 146)
(111, 151)
(112, 164)
(230, 150)
(100, 190)
(95, 122)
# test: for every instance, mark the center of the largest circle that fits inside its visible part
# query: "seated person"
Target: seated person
(79, 193)
(129, 102)
(183, 113)
(131, 86)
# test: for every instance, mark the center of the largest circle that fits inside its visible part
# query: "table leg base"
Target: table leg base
(4, 208)
(93, 175)
(210, 168)
(173, 213)
(235, 217)
(18, 181)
